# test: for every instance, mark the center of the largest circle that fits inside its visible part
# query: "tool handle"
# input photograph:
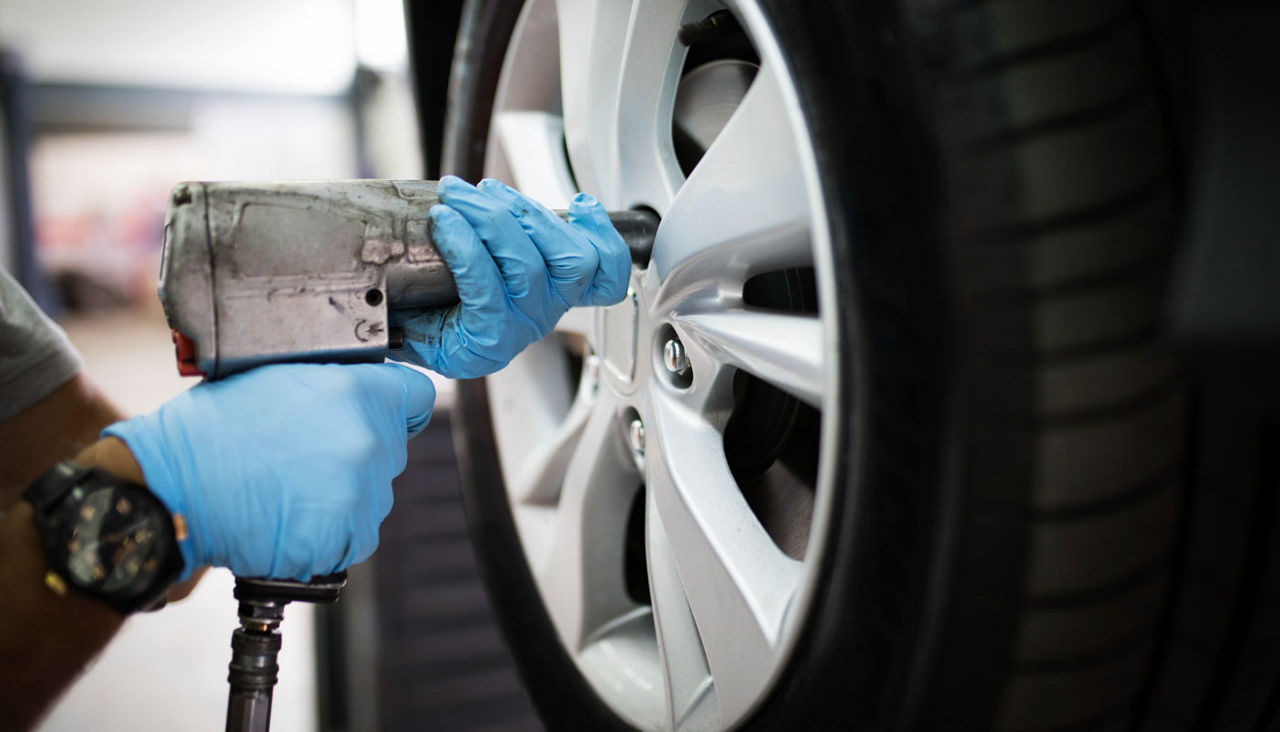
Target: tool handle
(320, 589)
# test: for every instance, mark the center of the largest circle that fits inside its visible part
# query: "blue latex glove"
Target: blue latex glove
(518, 268)
(284, 471)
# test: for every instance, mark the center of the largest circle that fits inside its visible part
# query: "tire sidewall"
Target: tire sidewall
(863, 652)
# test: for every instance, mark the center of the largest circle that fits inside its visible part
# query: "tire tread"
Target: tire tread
(1084, 255)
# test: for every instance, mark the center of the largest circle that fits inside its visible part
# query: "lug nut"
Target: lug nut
(674, 357)
(635, 436)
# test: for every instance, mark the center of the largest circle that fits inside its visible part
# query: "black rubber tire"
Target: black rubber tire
(1006, 552)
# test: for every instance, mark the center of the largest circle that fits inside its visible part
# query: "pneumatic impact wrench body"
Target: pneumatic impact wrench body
(260, 273)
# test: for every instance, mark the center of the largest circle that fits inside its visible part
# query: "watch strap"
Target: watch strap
(53, 485)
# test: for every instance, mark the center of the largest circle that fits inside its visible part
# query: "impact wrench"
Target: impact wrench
(260, 273)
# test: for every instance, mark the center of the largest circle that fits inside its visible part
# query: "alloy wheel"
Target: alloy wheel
(667, 460)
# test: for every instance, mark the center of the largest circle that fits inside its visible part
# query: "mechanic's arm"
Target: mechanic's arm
(46, 640)
(54, 428)
(73, 629)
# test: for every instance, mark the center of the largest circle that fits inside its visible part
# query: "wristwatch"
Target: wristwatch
(106, 537)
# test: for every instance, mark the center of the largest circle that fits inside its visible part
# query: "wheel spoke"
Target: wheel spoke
(619, 66)
(689, 693)
(738, 583)
(532, 143)
(785, 350)
(542, 409)
(580, 321)
(743, 210)
(539, 480)
(580, 571)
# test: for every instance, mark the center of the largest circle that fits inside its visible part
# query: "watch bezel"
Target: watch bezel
(61, 511)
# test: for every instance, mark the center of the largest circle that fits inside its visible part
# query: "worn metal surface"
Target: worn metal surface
(267, 272)
(256, 273)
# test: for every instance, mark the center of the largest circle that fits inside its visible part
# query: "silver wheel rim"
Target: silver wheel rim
(727, 602)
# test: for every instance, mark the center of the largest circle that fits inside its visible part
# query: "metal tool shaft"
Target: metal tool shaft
(255, 645)
(253, 671)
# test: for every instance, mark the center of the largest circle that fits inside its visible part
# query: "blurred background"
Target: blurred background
(124, 99)
(103, 108)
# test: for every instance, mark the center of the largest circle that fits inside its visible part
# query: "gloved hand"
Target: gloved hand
(284, 471)
(518, 268)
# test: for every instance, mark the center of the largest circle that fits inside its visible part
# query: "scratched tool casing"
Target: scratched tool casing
(256, 273)
(273, 272)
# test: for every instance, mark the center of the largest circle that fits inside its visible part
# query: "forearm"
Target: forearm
(45, 640)
(55, 428)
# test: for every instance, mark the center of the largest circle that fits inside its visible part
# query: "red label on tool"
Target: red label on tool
(185, 349)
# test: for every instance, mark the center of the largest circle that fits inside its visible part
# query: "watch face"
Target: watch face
(113, 546)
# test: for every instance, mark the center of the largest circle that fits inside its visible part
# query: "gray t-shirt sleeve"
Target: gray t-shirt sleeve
(35, 355)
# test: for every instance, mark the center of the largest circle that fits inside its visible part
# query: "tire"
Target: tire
(1001, 486)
